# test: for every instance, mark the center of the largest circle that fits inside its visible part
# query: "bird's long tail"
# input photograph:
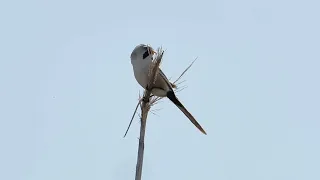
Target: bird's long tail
(175, 100)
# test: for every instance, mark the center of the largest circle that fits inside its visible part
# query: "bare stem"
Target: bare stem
(145, 107)
(141, 141)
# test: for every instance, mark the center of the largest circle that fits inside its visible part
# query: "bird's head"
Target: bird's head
(142, 54)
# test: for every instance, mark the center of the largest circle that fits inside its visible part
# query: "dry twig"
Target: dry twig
(185, 71)
(145, 107)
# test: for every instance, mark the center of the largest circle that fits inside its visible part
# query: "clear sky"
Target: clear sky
(68, 91)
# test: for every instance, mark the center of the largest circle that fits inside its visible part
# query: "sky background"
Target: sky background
(68, 91)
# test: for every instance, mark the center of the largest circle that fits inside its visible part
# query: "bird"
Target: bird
(141, 59)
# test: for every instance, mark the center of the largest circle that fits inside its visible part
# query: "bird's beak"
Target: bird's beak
(153, 52)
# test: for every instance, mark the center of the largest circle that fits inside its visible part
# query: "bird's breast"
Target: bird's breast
(141, 75)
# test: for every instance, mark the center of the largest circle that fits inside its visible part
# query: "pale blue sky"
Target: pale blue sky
(68, 91)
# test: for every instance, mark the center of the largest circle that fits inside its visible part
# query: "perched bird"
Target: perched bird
(141, 59)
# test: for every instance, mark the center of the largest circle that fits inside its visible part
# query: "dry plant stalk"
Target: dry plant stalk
(145, 107)
(154, 100)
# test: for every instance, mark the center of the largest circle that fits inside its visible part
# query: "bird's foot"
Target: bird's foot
(146, 100)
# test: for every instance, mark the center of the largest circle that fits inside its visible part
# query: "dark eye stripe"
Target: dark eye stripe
(146, 54)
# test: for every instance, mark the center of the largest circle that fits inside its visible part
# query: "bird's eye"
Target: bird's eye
(146, 54)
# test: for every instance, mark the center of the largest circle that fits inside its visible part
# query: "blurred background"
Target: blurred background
(68, 91)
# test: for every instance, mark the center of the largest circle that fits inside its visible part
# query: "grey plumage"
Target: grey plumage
(141, 58)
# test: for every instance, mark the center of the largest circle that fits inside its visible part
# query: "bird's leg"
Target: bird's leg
(146, 100)
(147, 88)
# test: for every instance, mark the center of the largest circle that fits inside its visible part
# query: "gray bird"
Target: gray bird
(141, 59)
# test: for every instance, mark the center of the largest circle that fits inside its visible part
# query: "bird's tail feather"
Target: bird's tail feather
(175, 100)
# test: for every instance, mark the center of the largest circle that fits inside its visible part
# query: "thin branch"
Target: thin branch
(145, 107)
(134, 113)
(153, 112)
(177, 84)
(180, 89)
(185, 71)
